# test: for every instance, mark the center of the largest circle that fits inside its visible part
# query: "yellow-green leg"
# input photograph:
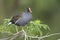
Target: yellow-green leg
(16, 29)
(22, 28)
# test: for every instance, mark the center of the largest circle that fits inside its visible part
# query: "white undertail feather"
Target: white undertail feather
(9, 23)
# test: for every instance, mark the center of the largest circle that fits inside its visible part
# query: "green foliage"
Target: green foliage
(4, 27)
(33, 28)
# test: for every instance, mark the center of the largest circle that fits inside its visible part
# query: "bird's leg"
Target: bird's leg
(22, 29)
(16, 29)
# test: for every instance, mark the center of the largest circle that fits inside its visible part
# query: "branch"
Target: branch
(23, 33)
(4, 39)
(44, 36)
(20, 33)
(49, 35)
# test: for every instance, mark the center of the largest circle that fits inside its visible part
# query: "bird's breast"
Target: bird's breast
(24, 19)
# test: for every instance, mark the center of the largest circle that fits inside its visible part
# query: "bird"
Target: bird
(22, 19)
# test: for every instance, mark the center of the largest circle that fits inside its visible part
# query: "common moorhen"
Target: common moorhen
(23, 18)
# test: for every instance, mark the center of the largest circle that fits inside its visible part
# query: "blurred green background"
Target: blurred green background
(48, 11)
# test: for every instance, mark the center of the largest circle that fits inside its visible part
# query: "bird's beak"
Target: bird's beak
(30, 10)
(9, 23)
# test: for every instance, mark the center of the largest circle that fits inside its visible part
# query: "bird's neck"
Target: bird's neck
(27, 12)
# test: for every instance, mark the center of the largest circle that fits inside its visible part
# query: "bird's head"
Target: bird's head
(29, 10)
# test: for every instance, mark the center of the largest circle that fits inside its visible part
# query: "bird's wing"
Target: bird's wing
(15, 18)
